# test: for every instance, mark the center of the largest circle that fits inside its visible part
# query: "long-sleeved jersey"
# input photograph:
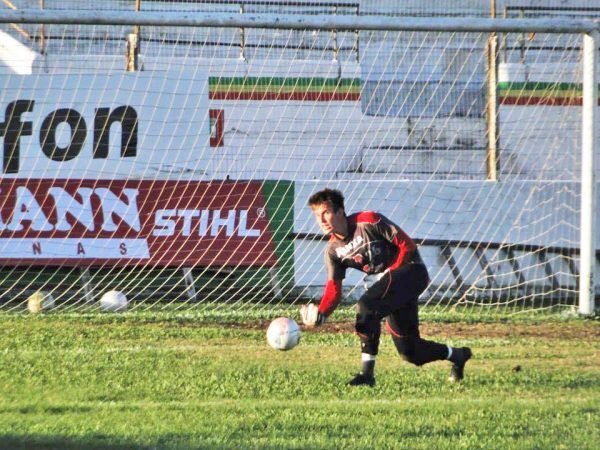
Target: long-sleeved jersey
(373, 244)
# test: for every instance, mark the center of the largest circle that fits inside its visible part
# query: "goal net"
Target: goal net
(173, 164)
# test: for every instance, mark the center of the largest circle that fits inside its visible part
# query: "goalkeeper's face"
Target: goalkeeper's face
(331, 221)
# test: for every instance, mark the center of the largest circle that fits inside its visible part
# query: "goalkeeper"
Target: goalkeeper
(371, 243)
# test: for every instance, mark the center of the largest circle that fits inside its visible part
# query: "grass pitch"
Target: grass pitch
(150, 381)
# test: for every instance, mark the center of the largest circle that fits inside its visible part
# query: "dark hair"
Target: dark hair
(332, 196)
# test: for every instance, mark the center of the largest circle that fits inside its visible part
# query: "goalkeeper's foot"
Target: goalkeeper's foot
(360, 379)
(459, 358)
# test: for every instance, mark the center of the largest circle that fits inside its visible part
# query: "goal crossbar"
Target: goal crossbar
(299, 22)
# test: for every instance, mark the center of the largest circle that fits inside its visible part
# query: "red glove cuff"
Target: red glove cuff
(331, 297)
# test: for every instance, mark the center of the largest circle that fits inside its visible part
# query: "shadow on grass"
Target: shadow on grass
(46, 442)
(91, 442)
(46, 409)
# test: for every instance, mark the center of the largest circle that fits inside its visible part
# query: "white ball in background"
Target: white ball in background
(40, 301)
(114, 301)
(283, 334)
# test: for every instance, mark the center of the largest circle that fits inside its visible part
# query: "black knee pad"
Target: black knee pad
(366, 320)
(368, 329)
(369, 341)
(361, 328)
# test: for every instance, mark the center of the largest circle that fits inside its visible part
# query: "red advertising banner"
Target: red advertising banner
(117, 222)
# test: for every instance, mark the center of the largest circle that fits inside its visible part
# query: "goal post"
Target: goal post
(588, 173)
(183, 181)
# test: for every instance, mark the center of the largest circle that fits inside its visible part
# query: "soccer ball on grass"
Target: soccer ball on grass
(114, 301)
(283, 334)
(40, 301)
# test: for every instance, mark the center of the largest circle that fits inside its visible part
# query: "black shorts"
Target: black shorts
(398, 289)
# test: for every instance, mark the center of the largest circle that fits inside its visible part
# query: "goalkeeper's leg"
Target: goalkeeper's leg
(381, 299)
(403, 325)
(368, 329)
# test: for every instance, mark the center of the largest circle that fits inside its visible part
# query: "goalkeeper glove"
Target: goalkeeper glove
(311, 316)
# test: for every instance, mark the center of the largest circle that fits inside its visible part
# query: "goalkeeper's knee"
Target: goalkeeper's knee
(407, 347)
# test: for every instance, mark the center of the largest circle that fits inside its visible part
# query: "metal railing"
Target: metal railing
(242, 7)
(543, 254)
(522, 12)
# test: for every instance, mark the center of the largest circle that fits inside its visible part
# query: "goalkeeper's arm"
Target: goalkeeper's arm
(313, 315)
(331, 297)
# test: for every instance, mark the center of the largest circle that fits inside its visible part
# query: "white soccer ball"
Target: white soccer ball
(113, 301)
(40, 301)
(283, 334)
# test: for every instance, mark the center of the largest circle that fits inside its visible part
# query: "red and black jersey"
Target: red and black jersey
(373, 244)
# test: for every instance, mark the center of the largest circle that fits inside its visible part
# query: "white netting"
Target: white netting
(184, 183)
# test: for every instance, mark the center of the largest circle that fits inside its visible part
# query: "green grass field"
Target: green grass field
(94, 381)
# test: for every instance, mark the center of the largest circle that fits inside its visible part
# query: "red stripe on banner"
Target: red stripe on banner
(131, 222)
(548, 101)
(301, 96)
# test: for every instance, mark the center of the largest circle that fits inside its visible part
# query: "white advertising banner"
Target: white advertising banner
(118, 126)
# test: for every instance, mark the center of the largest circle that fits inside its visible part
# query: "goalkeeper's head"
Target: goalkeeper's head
(328, 208)
(332, 197)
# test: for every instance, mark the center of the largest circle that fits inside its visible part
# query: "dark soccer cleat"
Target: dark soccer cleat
(360, 379)
(459, 358)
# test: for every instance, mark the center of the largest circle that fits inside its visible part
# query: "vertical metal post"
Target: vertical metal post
(505, 40)
(336, 49)
(492, 102)
(521, 40)
(133, 44)
(136, 30)
(357, 36)
(242, 36)
(588, 175)
(132, 54)
(190, 287)
(88, 287)
(275, 284)
(42, 32)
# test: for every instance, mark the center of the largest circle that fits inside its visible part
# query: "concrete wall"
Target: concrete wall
(518, 212)
(312, 139)
(541, 138)
(308, 140)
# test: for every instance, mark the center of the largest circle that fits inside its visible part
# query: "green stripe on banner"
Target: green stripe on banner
(284, 88)
(279, 200)
(540, 93)
(538, 85)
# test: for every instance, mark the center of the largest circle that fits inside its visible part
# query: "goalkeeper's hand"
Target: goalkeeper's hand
(311, 316)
